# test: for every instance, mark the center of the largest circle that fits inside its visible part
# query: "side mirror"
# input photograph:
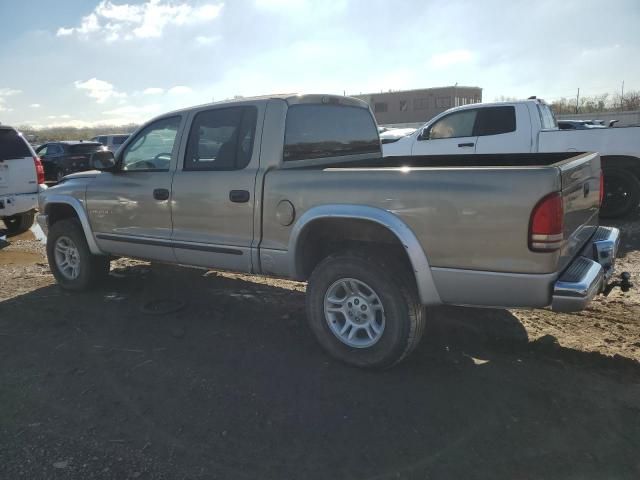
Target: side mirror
(424, 134)
(103, 160)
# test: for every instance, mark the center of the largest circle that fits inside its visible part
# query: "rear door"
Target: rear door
(451, 134)
(17, 167)
(213, 189)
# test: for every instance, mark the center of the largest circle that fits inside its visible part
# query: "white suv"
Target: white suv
(21, 179)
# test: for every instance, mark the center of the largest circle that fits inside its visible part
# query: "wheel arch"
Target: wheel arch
(383, 222)
(628, 162)
(58, 207)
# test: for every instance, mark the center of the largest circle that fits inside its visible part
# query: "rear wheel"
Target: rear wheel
(362, 312)
(19, 223)
(71, 262)
(621, 193)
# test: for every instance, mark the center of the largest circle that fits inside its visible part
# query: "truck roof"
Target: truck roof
(289, 98)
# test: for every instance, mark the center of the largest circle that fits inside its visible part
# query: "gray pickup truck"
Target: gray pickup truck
(295, 187)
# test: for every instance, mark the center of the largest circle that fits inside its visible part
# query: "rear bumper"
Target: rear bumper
(588, 273)
(19, 203)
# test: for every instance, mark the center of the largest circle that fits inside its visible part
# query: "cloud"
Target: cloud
(113, 21)
(204, 40)
(99, 89)
(278, 4)
(35, 105)
(4, 93)
(129, 110)
(8, 92)
(153, 91)
(446, 59)
(179, 90)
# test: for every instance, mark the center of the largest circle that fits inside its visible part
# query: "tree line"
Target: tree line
(605, 102)
(54, 134)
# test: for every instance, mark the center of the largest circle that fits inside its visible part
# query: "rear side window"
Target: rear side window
(495, 120)
(84, 148)
(221, 139)
(458, 124)
(12, 145)
(321, 131)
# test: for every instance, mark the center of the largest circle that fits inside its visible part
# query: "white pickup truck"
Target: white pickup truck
(529, 126)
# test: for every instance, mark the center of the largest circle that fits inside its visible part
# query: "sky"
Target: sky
(92, 62)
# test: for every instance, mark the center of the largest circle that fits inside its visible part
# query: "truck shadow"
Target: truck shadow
(233, 385)
(630, 228)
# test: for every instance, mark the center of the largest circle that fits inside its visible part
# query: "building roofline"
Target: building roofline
(414, 90)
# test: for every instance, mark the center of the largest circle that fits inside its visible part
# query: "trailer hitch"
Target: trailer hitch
(624, 284)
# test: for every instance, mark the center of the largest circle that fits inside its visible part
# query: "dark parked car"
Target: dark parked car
(62, 158)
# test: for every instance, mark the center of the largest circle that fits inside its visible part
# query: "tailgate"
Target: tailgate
(580, 180)
(17, 168)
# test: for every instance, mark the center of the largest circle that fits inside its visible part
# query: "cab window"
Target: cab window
(221, 139)
(458, 124)
(322, 131)
(152, 148)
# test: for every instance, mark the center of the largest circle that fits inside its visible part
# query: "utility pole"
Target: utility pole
(622, 98)
(577, 99)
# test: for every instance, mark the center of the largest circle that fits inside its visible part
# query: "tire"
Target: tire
(621, 193)
(59, 176)
(392, 339)
(67, 245)
(20, 223)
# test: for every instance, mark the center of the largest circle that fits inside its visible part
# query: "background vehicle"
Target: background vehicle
(580, 124)
(112, 142)
(21, 178)
(62, 158)
(526, 127)
(295, 186)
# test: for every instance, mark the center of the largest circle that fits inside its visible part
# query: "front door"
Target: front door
(213, 189)
(130, 208)
(449, 135)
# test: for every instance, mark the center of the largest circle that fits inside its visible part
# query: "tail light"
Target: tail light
(39, 170)
(601, 187)
(547, 223)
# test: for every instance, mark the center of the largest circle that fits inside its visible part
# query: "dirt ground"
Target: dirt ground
(232, 385)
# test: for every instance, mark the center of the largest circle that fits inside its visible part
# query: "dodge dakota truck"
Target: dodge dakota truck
(296, 187)
(529, 126)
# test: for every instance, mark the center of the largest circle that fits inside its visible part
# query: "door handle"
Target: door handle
(239, 196)
(470, 144)
(161, 194)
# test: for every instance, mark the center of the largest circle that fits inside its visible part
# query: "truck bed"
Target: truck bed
(470, 212)
(473, 160)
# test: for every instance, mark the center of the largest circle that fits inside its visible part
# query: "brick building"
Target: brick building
(417, 106)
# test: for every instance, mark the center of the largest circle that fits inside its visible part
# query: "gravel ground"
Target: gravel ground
(232, 384)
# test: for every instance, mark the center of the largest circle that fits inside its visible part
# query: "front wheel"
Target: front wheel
(621, 193)
(70, 260)
(362, 313)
